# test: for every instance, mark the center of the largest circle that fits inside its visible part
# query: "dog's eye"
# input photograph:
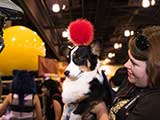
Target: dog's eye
(77, 59)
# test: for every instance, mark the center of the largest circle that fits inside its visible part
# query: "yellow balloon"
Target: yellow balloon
(22, 48)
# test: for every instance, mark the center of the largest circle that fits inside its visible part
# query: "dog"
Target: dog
(83, 87)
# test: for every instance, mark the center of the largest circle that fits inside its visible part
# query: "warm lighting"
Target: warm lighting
(132, 32)
(120, 45)
(153, 2)
(55, 8)
(117, 45)
(145, 3)
(107, 60)
(111, 55)
(126, 33)
(63, 7)
(64, 34)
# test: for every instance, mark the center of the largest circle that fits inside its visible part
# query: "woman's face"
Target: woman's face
(136, 71)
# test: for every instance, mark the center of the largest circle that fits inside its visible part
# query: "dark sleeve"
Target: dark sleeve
(58, 98)
(148, 108)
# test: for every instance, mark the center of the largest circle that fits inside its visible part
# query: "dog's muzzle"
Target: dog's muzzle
(66, 73)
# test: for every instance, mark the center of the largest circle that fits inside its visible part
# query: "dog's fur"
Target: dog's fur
(82, 88)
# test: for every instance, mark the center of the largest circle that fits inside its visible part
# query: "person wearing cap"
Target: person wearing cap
(139, 98)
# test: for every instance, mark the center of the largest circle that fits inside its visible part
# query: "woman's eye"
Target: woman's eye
(134, 64)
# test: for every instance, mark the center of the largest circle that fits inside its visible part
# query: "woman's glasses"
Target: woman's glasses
(141, 42)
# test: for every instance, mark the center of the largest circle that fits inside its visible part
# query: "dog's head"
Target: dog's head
(82, 60)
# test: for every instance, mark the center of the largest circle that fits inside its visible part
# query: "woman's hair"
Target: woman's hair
(52, 86)
(22, 84)
(145, 46)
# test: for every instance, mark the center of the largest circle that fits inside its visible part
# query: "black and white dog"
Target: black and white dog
(83, 87)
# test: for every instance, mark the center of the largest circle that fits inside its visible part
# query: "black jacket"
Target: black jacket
(140, 104)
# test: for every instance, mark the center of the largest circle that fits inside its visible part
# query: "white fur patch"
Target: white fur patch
(74, 90)
(75, 117)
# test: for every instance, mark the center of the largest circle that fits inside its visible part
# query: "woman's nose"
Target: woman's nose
(127, 64)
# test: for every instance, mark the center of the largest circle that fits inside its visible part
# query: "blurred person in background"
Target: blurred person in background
(53, 102)
(22, 101)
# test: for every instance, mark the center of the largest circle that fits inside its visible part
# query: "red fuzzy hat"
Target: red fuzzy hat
(81, 32)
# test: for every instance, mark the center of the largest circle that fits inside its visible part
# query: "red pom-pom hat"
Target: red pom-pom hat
(81, 32)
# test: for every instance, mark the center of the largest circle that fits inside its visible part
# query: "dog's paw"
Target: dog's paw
(75, 116)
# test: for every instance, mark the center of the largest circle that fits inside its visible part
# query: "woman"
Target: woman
(139, 98)
(54, 106)
(22, 101)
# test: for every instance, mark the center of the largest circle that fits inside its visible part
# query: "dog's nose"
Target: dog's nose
(66, 73)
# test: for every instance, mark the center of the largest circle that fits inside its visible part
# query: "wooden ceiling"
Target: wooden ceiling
(109, 17)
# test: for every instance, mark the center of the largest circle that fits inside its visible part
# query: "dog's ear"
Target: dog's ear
(65, 50)
(95, 48)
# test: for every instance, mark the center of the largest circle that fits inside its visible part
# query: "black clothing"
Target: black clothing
(49, 112)
(134, 103)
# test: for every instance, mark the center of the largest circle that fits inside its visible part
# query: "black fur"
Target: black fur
(96, 94)
(82, 54)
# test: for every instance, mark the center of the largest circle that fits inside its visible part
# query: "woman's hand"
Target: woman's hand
(101, 111)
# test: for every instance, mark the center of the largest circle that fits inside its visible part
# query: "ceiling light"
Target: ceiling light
(116, 45)
(55, 8)
(126, 33)
(153, 2)
(132, 32)
(120, 45)
(111, 55)
(64, 34)
(106, 61)
(63, 7)
(145, 3)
